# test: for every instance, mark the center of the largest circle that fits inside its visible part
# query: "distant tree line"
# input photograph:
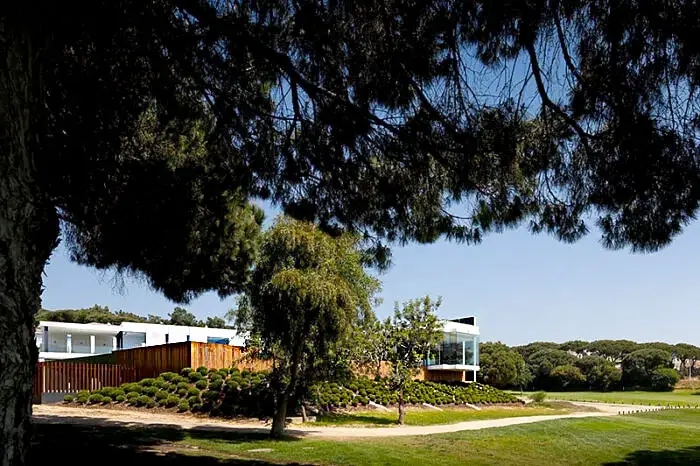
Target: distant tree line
(103, 315)
(580, 365)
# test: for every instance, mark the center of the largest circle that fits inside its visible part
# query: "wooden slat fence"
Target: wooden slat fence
(71, 377)
(150, 361)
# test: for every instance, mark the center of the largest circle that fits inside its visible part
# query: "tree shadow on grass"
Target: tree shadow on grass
(683, 456)
(80, 441)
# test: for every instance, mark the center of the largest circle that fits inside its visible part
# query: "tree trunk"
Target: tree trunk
(402, 409)
(280, 417)
(28, 232)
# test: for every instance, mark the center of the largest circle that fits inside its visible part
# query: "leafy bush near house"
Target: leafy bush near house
(194, 376)
(171, 401)
(182, 392)
(201, 384)
(68, 398)
(363, 390)
(161, 395)
(193, 391)
(168, 376)
(96, 398)
(131, 387)
(202, 370)
(132, 396)
(183, 406)
(149, 391)
(145, 400)
(147, 382)
(538, 397)
(120, 399)
(185, 371)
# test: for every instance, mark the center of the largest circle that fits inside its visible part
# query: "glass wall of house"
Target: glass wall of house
(456, 349)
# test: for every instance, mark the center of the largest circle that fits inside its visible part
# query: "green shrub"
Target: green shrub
(177, 379)
(172, 400)
(182, 392)
(131, 387)
(161, 395)
(148, 382)
(210, 395)
(201, 384)
(146, 401)
(202, 370)
(223, 373)
(216, 384)
(183, 406)
(95, 398)
(162, 403)
(184, 385)
(193, 391)
(82, 398)
(664, 379)
(120, 398)
(214, 376)
(68, 398)
(194, 401)
(149, 391)
(195, 376)
(160, 383)
(168, 376)
(538, 397)
(117, 392)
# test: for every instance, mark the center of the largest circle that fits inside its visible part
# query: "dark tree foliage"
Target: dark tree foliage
(143, 127)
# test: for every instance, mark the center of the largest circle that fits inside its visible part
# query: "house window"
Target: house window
(223, 341)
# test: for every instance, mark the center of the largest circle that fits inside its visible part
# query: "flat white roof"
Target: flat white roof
(135, 327)
(456, 327)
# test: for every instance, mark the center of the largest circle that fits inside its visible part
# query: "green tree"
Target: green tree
(663, 379)
(688, 355)
(567, 377)
(500, 366)
(181, 316)
(415, 330)
(601, 374)
(307, 292)
(373, 341)
(575, 346)
(638, 366)
(613, 350)
(215, 322)
(137, 131)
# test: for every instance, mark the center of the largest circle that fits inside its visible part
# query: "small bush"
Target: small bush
(132, 396)
(172, 400)
(538, 397)
(185, 371)
(216, 384)
(182, 392)
(195, 376)
(183, 406)
(160, 383)
(193, 391)
(81, 398)
(148, 382)
(161, 395)
(117, 392)
(184, 385)
(168, 376)
(194, 402)
(210, 395)
(664, 379)
(120, 399)
(146, 401)
(131, 387)
(68, 398)
(149, 391)
(201, 384)
(95, 398)
(202, 370)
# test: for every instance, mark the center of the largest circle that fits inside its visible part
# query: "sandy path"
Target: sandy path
(58, 414)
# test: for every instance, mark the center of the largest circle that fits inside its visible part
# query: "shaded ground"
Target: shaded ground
(668, 437)
(60, 414)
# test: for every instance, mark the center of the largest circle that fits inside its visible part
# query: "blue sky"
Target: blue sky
(521, 287)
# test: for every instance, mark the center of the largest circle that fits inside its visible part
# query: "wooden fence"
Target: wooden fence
(70, 377)
(150, 361)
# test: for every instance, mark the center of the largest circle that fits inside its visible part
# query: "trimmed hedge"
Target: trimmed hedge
(244, 393)
(363, 390)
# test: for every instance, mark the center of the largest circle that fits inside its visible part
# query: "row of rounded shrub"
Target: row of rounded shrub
(363, 390)
(229, 391)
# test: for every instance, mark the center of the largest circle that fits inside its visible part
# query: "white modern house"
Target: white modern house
(457, 356)
(62, 340)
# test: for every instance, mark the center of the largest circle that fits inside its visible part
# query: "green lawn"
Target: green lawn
(424, 417)
(675, 398)
(666, 437)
